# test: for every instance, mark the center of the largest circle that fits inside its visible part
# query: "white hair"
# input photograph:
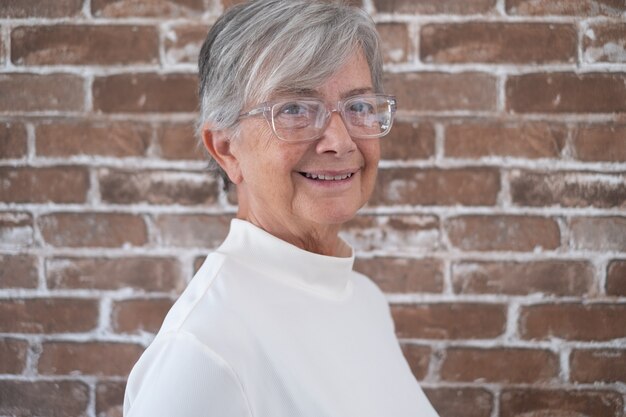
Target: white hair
(262, 47)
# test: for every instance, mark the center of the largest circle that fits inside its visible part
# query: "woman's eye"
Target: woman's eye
(361, 107)
(294, 109)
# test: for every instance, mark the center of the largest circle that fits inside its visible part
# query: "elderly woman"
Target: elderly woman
(276, 323)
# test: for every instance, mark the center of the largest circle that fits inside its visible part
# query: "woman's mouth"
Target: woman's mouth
(327, 177)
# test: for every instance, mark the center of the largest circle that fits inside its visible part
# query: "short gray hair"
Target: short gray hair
(262, 47)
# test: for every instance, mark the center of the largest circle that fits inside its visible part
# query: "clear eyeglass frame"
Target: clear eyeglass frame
(305, 119)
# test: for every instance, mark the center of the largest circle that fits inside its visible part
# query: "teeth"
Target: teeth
(327, 177)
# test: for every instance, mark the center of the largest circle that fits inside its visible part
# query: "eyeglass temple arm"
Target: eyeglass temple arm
(254, 112)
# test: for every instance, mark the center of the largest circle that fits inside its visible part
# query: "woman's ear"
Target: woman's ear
(218, 144)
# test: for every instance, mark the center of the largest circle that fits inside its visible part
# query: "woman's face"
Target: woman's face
(274, 186)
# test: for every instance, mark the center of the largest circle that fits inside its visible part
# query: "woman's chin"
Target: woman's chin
(334, 215)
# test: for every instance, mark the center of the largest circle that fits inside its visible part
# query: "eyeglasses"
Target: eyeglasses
(306, 118)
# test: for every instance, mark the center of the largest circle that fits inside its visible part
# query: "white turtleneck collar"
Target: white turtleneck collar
(328, 276)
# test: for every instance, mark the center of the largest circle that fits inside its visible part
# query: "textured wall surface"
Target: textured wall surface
(498, 229)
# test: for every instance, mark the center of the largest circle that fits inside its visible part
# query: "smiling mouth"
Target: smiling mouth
(322, 177)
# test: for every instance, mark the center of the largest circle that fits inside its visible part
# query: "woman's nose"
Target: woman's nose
(336, 138)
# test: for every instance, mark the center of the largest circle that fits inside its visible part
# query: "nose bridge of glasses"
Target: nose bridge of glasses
(339, 109)
(345, 124)
(327, 113)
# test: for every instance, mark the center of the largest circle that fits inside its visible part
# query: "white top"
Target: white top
(266, 329)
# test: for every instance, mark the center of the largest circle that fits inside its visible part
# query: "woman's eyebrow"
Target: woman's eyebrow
(297, 92)
(308, 92)
(356, 91)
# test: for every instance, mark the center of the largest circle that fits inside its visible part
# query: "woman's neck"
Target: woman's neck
(320, 239)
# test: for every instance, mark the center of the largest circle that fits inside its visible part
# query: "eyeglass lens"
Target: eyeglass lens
(306, 119)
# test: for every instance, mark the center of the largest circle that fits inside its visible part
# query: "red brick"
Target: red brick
(192, 230)
(44, 185)
(44, 398)
(530, 140)
(616, 278)
(449, 321)
(197, 263)
(409, 141)
(598, 233)
(508, 365)
(418, 358)
(147, 8)
(498, 233)
(568, 189)
(598, 365)
(145, 93)
(84, 45)
(443, 92)
(415, 186)
(600, 142)
(12, 140)
(396, 44)
(93, 229)
(395, 234)
(135, 316)
(48, 315)
(573, 321)
(157, 187)
(18, 9)
(230, 3)
(605, 42)
(183, 42)
(18, 271)
(2, 54)
(561, 403)
(16, 228)
(179, 141)
(137, 273)
(110, 398)
(583, 8)
(36, 92)
(403, 275)
(70, 358)
(494, 42)
(552, 277)
(466, 402)
(13, 356)
(231, 191)
(564, 92)
(435, 6)
(102, 138)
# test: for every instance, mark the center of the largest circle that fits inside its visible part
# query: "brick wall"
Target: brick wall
(498, 229)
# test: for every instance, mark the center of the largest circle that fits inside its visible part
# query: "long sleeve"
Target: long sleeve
(179, 376)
